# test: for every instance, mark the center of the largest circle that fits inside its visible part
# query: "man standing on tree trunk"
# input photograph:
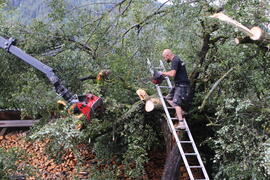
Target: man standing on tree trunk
(180, 91)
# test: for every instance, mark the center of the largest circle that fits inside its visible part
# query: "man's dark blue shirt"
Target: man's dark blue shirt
(181, 73)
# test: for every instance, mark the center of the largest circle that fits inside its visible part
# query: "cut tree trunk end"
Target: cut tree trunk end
(151, 102)
(259, 35)
(255, 33)
(142, 94)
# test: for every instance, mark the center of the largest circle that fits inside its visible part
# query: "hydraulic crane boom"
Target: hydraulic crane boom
(86, 104)
(8, 46)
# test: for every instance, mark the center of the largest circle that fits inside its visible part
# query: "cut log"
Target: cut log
(142, 94)
(153, 103)
(261, 44)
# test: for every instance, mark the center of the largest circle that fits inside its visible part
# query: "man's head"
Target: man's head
(167, 55)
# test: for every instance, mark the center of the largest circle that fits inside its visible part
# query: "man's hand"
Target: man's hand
(164, 73)
(169, 73)
(157, 74)
(160, 73)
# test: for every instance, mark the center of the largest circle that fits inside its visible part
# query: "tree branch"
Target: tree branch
(213, 88)
(143, 22)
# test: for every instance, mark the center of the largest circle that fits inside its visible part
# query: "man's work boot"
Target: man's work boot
(180, 125)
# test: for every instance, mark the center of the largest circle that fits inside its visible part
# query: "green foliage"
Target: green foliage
(62, 135)
(266, 158)
(128, 138)
(9, 163)
(109, 174)
(58, 10)
(78, 41)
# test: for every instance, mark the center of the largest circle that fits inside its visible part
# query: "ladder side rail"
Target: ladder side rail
(191, 139)
(165, 108)
(175, 134)
(167, 78)
(173, 131)
(196, 151)
(188, 131)
(150, 66)
(170, 86)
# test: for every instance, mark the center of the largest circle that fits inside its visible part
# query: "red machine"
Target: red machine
(86, 104)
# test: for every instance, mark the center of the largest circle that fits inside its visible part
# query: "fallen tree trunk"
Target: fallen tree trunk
(173, 158)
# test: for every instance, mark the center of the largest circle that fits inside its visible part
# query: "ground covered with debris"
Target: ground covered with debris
(42, 166)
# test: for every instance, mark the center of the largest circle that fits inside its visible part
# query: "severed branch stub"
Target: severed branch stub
(142, 94)
(255, 33)
(151, 102)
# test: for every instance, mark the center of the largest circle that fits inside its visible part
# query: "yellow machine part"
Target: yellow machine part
(62, 105)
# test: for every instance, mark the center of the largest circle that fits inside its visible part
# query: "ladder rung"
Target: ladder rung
(174, 118)
(185, 142)
(170, 107)
(191, 154)
(195, 166)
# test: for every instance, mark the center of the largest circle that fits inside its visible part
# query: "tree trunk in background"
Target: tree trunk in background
(172, 167)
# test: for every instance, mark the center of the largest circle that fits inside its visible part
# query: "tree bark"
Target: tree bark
(172, 166)
(243, 40)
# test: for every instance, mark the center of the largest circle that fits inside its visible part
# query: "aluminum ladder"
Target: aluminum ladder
(179, 143)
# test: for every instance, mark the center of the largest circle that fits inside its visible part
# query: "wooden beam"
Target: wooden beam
(17, 123)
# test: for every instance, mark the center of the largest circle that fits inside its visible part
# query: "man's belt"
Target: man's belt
(181, 84)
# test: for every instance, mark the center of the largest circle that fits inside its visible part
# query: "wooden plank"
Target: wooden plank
(17, 123)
